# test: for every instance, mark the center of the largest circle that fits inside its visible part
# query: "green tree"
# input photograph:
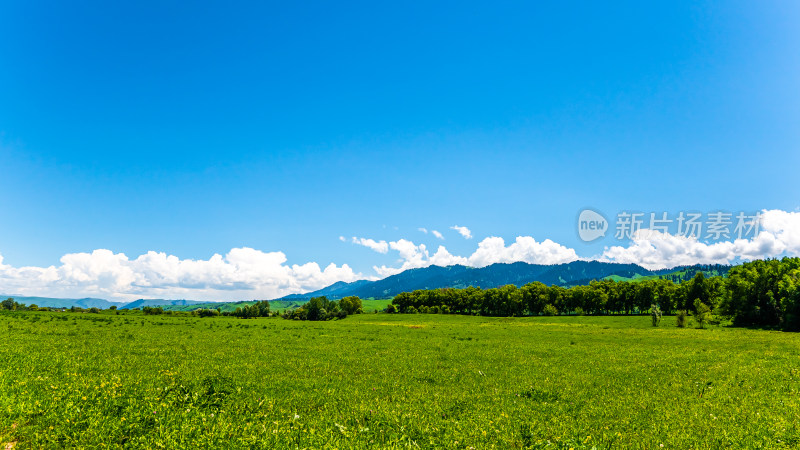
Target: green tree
(702, 313)
(351, 305)
(152, 310)
(9, 304)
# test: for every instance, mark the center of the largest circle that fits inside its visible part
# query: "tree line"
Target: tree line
(320, 308)
(762, 293)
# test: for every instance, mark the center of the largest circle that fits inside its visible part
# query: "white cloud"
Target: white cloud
(378, 246)
(443, 258)
(342, 238)
(780, 235)
(656, 250)
(412, 256)
(433, 232)
(243, 273)
(493, 250)
(463, 231)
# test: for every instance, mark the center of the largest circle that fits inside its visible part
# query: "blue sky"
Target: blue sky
(194, 129)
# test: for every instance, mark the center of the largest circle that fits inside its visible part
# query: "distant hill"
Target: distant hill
(157, 302)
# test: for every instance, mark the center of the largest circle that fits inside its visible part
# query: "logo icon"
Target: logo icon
(591, 225)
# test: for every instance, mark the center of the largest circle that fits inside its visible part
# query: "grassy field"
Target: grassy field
(393, 381)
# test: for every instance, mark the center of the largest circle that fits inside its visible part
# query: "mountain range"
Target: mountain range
(432, 277)
(501, 274)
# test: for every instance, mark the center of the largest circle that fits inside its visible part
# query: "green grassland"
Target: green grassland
(393, 381)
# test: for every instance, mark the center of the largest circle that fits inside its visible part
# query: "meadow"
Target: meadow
(393, 381)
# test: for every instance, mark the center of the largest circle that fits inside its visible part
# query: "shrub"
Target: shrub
(152, 310)
(579, 311)
(391, 309)
(550, 310)
(208, 312)
(681, 318)
(655, 315)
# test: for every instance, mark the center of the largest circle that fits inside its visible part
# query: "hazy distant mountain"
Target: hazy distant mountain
(62, 302)
(93, 302)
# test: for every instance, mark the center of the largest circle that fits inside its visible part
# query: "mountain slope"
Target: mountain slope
(519, 273)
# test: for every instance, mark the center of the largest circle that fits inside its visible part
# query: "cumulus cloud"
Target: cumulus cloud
(378, 246)
(779, 235)
(443, 258)
(412, 256)
(243, 273)
(525, 248)
(463, 231)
